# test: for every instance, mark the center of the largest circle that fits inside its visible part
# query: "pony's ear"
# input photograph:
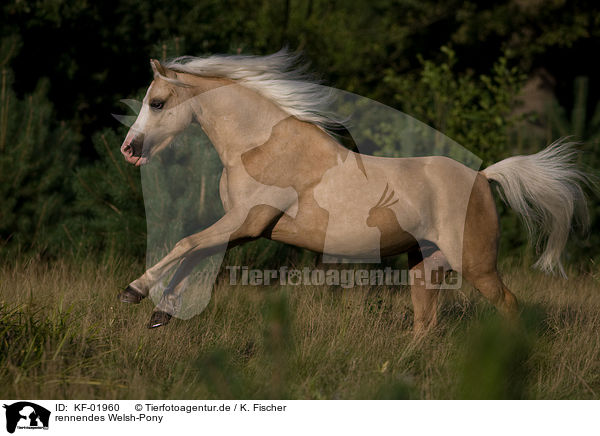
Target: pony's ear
(158, 68)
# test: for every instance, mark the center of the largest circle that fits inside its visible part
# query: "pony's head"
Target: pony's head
(163, 115)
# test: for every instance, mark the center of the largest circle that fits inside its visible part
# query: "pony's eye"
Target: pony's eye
(157, 104)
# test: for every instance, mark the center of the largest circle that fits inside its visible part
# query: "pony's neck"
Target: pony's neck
(235, 118)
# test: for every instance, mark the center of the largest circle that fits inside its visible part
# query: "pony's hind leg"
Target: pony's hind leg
(425, 263)
(480, 249)
(490, 285)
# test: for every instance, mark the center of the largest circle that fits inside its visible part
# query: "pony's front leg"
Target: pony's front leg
(209, 241)
(234, 227)
(170, 301)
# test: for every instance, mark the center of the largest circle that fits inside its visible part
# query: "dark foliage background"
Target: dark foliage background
(501, 77)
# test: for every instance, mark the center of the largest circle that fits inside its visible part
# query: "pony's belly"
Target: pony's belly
(364, 242)
(400, 243)
(344, 237)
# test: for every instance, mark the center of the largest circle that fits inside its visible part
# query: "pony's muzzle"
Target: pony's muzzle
(132, 149)
(133, 146)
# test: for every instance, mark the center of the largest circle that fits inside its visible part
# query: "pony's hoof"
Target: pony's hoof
(130, 295)
(158, 319)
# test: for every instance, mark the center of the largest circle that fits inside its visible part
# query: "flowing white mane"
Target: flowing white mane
(278, 77)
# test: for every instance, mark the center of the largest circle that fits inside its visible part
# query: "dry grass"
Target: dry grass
(63, 334)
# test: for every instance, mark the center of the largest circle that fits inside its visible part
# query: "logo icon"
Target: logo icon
(26, 415)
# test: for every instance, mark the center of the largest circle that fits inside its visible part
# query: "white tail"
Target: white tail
(546, 190)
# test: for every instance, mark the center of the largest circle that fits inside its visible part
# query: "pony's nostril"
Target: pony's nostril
(126, 149)
(136, 145)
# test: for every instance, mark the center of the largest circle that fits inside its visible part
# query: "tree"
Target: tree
(36, 159)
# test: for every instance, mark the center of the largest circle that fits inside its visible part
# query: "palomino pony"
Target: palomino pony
(283, 173)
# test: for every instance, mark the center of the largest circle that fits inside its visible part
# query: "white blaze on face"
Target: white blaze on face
(138, 128)
(144, 115)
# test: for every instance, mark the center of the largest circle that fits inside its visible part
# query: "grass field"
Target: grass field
(64, 335)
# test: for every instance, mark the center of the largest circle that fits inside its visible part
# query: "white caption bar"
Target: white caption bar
(23, 417)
